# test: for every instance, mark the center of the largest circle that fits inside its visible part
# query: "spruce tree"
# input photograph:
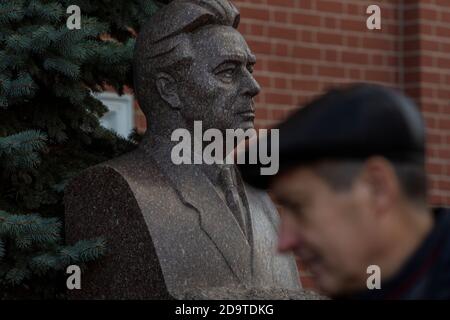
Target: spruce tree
(49, 127)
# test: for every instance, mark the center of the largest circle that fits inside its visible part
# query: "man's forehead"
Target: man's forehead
(222, 43)
(290, 187)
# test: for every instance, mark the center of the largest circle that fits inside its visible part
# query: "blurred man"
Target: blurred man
(353, 186)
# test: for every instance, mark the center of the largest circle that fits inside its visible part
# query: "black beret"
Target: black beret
(349, 123)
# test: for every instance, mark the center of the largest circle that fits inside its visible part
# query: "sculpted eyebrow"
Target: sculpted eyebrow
(230, 61)
(232, 57)
(237, 59)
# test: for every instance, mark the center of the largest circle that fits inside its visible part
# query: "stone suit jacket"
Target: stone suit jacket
(168, 230)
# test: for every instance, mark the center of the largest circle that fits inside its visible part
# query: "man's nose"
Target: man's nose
(251, 86)
(288, 238)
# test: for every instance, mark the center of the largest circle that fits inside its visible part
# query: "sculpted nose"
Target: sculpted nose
(252, 87)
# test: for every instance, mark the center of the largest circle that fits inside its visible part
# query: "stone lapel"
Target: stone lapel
(215, 219)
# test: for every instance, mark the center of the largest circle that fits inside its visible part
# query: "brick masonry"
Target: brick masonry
(305, 46)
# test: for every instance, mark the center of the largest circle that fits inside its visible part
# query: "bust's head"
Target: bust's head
(192, 64)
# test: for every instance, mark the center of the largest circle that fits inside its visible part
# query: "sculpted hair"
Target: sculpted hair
(163, 44)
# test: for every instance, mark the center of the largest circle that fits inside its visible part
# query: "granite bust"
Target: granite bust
(173, 229)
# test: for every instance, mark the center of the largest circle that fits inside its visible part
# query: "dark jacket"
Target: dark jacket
(426, 274)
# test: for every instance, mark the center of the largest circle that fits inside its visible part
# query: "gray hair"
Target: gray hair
(340, 176)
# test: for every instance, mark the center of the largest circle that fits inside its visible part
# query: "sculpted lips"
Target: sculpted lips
(248, 113)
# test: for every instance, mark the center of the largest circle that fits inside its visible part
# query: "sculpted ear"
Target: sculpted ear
(167, 89)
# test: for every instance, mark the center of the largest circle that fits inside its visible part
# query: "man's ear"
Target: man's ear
(167, 89)
(383, 182)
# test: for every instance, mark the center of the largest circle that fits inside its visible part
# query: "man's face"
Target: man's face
(332, 232)
(218, 87)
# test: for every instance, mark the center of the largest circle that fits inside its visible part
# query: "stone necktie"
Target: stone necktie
(232, 197)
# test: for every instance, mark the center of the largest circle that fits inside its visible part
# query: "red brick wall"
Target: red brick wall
(304, 46)
(426, 53)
